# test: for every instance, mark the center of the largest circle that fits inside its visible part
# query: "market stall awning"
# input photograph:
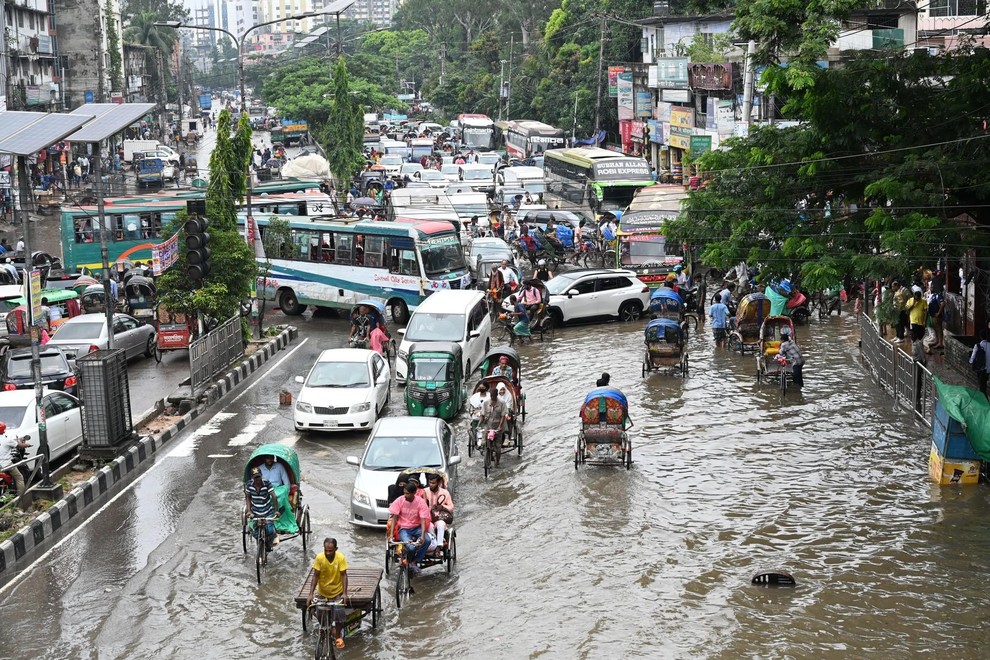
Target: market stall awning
(27, 133)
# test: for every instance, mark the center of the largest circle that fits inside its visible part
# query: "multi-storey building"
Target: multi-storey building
(30, 72)
(82, 29)
(379, 12)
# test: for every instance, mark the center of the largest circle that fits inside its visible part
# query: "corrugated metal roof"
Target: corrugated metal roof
(107, 119)
(27, 133)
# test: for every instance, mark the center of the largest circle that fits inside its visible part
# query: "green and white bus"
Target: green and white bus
(591, 181)
(336, 263)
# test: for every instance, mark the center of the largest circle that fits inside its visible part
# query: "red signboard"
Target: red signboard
(625, 133)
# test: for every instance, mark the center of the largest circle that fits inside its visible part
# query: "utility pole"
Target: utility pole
(501, 88)
(100, 87)
(508, 91)
(443, 63)
(598, 95)
(574, 121)
(747, 109)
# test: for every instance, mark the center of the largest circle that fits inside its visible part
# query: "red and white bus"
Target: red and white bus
(524, 138)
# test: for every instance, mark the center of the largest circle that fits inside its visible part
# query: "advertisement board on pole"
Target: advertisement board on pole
(613, 80)
(625, 85)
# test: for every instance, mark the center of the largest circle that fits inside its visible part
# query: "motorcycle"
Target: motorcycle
(6, 478)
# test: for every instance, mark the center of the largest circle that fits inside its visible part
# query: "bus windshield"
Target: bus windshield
(442, 254)
(616, 197)
(477, 137)
(639, 250)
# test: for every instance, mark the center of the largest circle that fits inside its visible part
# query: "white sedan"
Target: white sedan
(63, 420)
(345, 390)
(88, 332)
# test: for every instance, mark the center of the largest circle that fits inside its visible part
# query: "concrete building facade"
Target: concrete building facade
(30, 67)
(84, 47)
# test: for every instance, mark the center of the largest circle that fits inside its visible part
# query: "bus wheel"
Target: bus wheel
(289, 304)
(399, 311)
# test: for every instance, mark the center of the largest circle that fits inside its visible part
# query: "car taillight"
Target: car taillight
(93, 347)
(70, 381)
(9, 387)
(646, 289)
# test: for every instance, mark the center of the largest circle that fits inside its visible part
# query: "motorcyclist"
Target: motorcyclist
(9, 445)
(542, 271)
(361, 324)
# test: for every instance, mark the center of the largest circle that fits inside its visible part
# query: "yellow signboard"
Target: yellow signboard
(36, 297)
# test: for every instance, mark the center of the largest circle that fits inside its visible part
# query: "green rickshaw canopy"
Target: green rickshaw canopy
(282, 453)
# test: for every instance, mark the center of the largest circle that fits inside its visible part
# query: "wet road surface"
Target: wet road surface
(728, 480)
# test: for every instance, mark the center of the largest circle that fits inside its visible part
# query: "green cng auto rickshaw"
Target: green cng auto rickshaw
(435, 383)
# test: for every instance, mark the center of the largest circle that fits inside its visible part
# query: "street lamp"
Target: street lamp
(239, 43)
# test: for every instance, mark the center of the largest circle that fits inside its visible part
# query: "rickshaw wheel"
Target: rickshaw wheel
(644, 370)
(376, 607)
(261, 557)
(158, 354)
(519, 442)
(470, 444)
(244, 527)
(629, 458)
(451, 553)
(388, 560)
(305, 529)
(401, 586)
(489, 450)
(684, 367)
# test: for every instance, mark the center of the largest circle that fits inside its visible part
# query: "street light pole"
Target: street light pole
(501, 88)
(239, 44)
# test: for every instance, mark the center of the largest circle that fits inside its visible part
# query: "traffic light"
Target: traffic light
(198, 255)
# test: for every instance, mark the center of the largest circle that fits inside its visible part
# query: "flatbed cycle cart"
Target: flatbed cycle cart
(364, 597)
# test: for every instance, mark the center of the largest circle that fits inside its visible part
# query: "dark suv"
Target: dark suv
(56, 373)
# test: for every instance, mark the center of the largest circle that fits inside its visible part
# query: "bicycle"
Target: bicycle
(260, 532)
(326, 639)
(403, 579)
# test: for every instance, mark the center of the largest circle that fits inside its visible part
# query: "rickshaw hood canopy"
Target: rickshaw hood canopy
(285, 455)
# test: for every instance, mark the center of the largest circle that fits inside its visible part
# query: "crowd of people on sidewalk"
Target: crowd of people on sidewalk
(915, 313)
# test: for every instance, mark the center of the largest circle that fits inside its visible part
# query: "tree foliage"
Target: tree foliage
(233, 267)
(343, 134)
(883, 172)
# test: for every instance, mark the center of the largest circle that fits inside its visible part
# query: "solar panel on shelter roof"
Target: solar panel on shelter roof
(336, 7)
(30, 137)
(107, 121)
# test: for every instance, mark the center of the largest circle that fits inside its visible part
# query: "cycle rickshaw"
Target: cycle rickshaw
(753, 309)
(396, 552)
(604, 438)
(375, 313)
(770, 366)
(665, 347)
(293, 519)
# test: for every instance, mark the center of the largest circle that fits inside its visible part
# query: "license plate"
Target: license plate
(330, 424)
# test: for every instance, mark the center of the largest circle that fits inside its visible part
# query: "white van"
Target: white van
(449, 315)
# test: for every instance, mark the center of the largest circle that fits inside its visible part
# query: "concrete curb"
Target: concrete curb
(90, 492)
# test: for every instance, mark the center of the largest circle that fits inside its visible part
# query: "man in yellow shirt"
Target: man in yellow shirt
(917, 309)
(330, 582)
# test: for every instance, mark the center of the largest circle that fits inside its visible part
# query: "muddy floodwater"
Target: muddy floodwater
(729, 479)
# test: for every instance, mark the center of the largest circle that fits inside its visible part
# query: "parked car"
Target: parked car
(346, 389)
(63, 420)
(397, 444)
(56, 372)
(86, 333)
(590, 294)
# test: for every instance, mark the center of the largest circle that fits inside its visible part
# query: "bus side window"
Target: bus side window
(326, 246)
(343, 247)
(373, 248)
(302, 244)
(407, 263)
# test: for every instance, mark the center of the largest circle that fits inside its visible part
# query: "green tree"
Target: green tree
(277, 243)
(343, 154)
(872, 182)
(233, 267)
(159, 44)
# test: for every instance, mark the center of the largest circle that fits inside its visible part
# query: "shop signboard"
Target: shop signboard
(644, 103)
(663, 111)
(613, 80)
(681, 117)
(672, 72)
(725, 117)
(625, 85)
(636, 130)
(676, 95)
(625, 132)
(710, 113)
(700, 144)
(656, 131)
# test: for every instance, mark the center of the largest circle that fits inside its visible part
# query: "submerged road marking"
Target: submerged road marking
(220, 455)
(16, 579)
(289, 441)
(212, 427)
(249, 433)
(274, 366)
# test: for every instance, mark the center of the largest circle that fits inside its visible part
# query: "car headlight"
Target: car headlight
(402, 355)
(304, 407)
(361, 497)
(361, 407)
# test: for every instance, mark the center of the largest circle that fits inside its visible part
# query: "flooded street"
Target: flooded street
(728, 480)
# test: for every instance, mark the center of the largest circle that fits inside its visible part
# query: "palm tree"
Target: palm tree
(141, 29)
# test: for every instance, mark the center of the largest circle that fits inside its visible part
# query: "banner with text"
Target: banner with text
(613, 80)
(165, 254)
(625, 86)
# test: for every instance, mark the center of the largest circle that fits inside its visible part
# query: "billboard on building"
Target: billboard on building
(672, 72)
(613, 80)
(625, 85)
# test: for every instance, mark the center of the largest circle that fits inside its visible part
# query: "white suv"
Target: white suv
(587, 294)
